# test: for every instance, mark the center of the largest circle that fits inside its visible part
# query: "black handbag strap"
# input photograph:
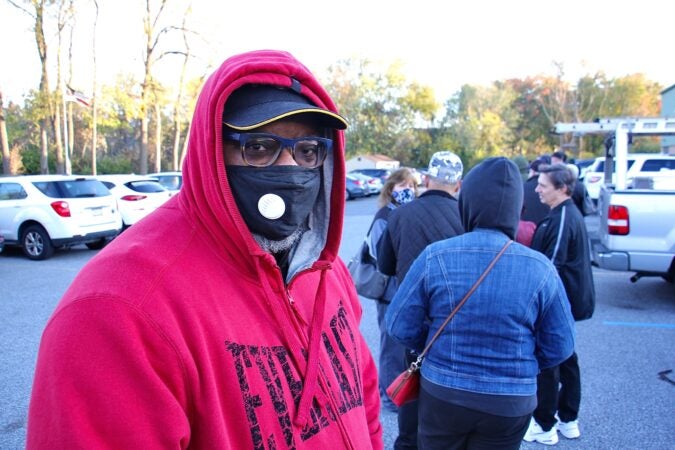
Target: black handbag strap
(416, 364)
(364, 251)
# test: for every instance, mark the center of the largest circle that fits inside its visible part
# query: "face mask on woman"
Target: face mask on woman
(403, 196)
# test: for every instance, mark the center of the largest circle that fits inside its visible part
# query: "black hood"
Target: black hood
(492, 196)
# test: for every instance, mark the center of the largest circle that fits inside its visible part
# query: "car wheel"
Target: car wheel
(36, 243)
(349, 195)
(97, 245)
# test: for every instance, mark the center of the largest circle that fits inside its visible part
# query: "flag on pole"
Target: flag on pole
(78, 97)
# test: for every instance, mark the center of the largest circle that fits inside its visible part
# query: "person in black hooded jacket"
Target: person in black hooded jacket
(562, 237)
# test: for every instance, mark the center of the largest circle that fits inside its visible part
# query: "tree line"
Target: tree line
(140, 125)
(401, 118)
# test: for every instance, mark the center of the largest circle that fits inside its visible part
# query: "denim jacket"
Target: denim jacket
(517, 322)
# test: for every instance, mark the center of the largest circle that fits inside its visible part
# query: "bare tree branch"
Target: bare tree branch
(20, 7)
(159, 13)
(173, 52)
(164, 30)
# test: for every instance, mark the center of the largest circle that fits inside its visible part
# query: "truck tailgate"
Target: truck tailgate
(649, 245)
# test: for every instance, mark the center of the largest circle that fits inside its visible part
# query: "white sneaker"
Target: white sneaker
(569, 429)
(535, 433)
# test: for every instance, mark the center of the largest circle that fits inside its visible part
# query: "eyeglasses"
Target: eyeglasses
(263, 149)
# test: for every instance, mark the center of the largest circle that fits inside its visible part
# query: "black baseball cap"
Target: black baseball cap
(255, 105)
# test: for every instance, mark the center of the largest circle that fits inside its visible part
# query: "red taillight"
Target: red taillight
(61, 208)
(617, 220)
(133, 198)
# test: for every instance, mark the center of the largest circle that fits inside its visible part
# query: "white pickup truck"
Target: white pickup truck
(637, 219)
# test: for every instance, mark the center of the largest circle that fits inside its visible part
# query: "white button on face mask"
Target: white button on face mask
(271, 206)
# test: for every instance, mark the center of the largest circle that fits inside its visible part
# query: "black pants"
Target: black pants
(558, 390)
(446, 426)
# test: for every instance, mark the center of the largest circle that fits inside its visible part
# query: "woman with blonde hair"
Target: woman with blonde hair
(399, 188)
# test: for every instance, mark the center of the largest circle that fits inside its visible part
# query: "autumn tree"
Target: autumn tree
(179, 107)
(155, 27)
(632, 96)
(194, 87)
(595, 96)
(36, 10)
(94, 90)
(59, 117)
(477, 117)
(528, 124)
(383, 108)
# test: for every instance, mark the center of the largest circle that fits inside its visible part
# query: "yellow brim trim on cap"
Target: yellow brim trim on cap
(289, 114)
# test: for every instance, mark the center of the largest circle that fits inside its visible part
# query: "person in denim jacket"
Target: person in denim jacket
(479, 379)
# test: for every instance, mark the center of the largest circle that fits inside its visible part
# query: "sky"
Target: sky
(441, 44)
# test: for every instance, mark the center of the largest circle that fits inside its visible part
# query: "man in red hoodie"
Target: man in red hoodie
(224, 320)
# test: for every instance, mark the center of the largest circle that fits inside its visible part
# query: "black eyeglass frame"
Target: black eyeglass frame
(243, 139)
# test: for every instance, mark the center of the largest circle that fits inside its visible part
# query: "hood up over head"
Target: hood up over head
(492, 196)
(207, 198)
(206, 194)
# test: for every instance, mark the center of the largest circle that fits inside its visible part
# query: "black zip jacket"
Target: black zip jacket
(563, 239)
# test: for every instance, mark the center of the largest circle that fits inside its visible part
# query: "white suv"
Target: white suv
(42, 212)
(639, 165)
(137, 195)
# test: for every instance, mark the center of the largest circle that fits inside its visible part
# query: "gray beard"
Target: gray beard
(271, 246)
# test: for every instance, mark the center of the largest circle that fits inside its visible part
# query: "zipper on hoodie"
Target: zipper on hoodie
(296, 314)
(287, 289)
(298, 322)
(323, 384)
(290, 298)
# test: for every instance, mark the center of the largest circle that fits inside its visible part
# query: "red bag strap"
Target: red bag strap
(415, 365)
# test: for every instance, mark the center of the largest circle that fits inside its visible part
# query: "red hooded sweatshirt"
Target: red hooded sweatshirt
(182, 333)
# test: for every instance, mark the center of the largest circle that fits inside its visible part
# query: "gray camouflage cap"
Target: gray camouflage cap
(446, 167)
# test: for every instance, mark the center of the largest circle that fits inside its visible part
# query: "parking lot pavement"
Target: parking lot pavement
(623, 349)
(624, 352)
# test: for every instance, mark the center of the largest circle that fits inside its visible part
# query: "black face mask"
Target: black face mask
(275, 200)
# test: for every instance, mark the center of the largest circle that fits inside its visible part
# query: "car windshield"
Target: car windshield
(657, 165)
(601, 166)
(145, 186)
(170, 181)
(72, 188)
